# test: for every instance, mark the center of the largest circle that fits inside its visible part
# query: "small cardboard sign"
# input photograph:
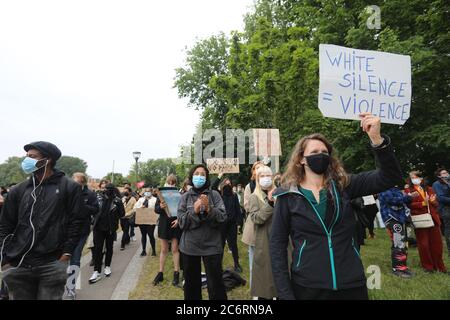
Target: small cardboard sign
(225, 165)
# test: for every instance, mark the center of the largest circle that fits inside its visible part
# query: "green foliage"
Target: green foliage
(70, 165)
(11, 172)
(268, 75)
(118, 179)
(154, 172)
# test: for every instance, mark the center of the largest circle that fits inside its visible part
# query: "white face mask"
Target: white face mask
(416, 181)
(265, 182)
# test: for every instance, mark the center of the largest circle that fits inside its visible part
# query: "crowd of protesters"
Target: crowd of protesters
(303, 228)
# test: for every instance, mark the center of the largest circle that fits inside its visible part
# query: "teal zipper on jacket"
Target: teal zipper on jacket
(329, 234)
(354, 248)
(300, 254)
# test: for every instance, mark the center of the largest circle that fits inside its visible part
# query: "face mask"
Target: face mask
(318, 163)
(265, 182)
(416, 181)
(227, 190)
(126, 194)
(29, 165)
(445, 178)
(198, 181)
(147, 194)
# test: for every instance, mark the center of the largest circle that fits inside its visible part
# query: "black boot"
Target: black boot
(176, 279)
(159, 278)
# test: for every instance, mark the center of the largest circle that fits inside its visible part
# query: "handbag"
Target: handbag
(423, 221)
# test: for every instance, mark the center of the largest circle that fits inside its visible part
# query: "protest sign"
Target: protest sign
(354, 81)
(227, 165)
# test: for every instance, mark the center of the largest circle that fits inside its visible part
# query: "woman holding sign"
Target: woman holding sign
(147, 227)
(168, 230)
(313, 209)
(201, 213)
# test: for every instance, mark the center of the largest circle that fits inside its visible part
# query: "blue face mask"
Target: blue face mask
(198, 181)
(29, 165)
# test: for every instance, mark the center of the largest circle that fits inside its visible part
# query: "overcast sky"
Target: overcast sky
(95, 77)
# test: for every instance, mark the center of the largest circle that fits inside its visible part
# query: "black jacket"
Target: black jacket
(111, 211)
(325, 256)
(233, 209)
(90, 210)
(57, 218)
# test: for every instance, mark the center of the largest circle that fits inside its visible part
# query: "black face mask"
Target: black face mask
(318, 163)
(227, 190)
(126, 194)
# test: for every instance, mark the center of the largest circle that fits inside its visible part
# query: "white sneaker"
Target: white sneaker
(95, 277)
(107, 272)
(133, 239)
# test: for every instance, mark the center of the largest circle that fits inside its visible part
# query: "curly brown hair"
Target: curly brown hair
(295, 172)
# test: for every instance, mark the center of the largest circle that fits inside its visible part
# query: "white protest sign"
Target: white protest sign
(226, 165)
(354, 81)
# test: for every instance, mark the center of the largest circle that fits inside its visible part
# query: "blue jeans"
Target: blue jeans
(75, 260)
(37, 283)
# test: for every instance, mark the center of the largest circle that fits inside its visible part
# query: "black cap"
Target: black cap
(46, 148)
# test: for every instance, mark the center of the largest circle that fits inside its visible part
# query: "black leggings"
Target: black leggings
(229, 233)
(148, 230)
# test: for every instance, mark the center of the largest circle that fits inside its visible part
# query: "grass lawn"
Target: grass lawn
(375, 252)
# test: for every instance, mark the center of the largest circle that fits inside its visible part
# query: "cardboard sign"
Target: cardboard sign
(267, 142)
(226, 165)
(146, 216)
(354, 81)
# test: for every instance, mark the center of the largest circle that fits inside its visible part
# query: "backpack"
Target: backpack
(232, 279)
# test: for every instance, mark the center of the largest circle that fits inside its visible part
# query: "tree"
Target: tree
(207, 59)
(119, 179)
(11, 171)
(154, 172)
(70, 165)
(272, 78)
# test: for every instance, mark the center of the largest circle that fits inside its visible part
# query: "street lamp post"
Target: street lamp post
(137, 156)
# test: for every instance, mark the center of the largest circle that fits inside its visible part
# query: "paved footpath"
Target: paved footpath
(126, 267)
